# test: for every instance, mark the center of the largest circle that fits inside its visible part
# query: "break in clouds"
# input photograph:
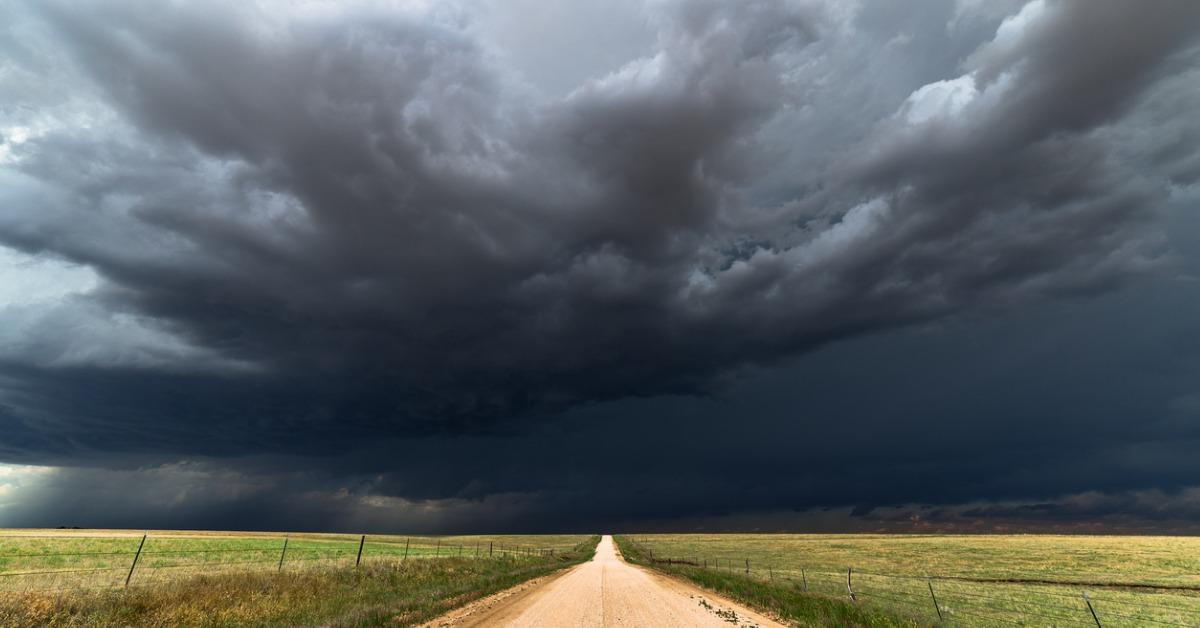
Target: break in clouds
(256, 232)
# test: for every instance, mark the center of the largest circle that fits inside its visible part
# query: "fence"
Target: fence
(966, 600)
(61, 562)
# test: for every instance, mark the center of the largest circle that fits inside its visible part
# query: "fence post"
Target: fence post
(747, 566)
(1091, 610)
(135, 560)
(406, 540)
(362, 541)
(935, 604)
(283, 553)
(490, 548)
(804, 579)
(849, 588)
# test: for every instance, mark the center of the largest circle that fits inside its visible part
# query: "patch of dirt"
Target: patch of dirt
(605, 592)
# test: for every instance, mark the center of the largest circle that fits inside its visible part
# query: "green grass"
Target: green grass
(776, 597)
(377, 593)
(54, 559)
(984, 580)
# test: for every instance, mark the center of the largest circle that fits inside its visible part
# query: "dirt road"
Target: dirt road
(606, 591)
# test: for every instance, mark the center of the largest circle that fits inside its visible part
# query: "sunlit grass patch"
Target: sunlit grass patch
(975, 579)
(375, 593)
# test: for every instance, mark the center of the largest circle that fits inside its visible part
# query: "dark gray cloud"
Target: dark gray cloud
(326, 233)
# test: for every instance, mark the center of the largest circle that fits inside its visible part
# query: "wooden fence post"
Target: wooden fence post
(362, 541)
(406, 540)
(283, 553)
(849, 588)
(747, 566)
(490, 549)
(135, 560)
(804, 579)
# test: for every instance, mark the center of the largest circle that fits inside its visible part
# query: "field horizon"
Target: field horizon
(992, 578)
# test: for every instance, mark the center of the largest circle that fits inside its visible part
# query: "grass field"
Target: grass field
(986, 580)
(237, 589)
(72, 559)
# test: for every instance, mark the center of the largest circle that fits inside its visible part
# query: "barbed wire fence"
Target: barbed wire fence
(128, 561)
(958, 600)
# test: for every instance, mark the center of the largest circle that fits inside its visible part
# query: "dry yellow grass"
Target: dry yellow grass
(979, 580)
(55, 559)
(382, 592)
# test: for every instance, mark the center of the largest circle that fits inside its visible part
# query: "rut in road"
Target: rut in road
(607, 591)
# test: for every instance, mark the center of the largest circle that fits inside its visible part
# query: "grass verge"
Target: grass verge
(398, 593)
(782, 600)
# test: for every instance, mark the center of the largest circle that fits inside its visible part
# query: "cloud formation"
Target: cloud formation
(311, 226)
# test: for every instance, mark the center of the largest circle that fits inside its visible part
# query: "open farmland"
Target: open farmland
(40, 560)
(77, 577)
(977, 580)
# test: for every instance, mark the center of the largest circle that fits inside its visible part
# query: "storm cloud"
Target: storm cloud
(373, 241)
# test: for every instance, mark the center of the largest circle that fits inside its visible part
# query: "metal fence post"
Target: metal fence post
(849, 588)
(935, 603)
(362, 541)
(1091, 610)
(135, 559)
(282, 554)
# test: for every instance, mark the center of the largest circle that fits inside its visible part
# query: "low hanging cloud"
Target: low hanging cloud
(313, 224)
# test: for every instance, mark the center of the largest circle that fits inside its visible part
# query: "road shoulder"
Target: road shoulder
(486, 608)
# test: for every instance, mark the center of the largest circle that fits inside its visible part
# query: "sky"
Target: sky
(531, 266)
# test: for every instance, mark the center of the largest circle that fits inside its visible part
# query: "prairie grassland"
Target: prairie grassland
(40, 560)
(381, 592)
(978, 580)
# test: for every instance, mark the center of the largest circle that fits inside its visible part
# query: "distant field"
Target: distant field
(40, 560)
(978, 580)
(184, 585)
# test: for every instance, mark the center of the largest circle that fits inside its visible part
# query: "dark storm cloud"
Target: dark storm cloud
(314, 227)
